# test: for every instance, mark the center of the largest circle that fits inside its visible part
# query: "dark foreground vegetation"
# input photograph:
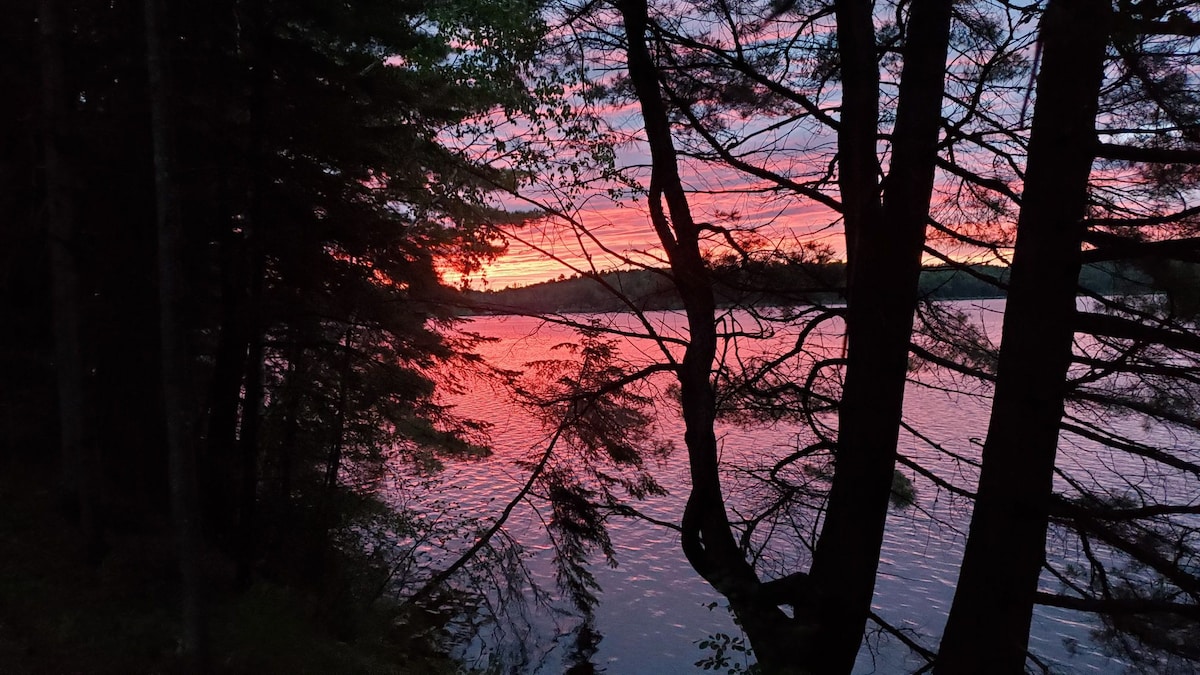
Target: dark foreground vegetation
(62, 614)
(220, 309)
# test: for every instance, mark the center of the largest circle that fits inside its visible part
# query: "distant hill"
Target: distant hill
(762, 285)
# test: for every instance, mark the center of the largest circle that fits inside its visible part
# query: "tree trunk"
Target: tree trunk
(988, 627)
(252, 406)
(225, 389)
(175, 385)
(333, 460)
(247, 539)
(858, 130)
(885, 259)
(80, 466)
(708, 539)
(884, 246)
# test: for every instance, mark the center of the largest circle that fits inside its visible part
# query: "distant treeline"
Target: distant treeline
(769, 284)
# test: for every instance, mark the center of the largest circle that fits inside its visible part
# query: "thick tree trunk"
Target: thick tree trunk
(858, 130)
(988, 627)
(175, 385)
(884, 245)
(80, 466)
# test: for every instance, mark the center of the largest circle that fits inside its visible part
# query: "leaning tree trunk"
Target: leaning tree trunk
(707, 536)
(708, 539)
(988, 627)
(884, 246)
(176, 393)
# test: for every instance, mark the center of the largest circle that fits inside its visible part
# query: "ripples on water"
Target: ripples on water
(654, 608)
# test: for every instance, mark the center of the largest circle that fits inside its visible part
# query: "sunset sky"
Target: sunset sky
(788, 142)
(619, 220)
(625, 228)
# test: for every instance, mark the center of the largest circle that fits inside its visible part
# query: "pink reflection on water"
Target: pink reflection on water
(653, 604)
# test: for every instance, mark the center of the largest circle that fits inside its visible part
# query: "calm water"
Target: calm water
(654, 608)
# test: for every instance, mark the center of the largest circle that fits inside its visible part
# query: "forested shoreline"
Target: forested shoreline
(769, 286)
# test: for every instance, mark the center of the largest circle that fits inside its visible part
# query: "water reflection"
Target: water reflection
(655, 610)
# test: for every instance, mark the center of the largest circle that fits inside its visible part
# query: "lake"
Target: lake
(654, 609)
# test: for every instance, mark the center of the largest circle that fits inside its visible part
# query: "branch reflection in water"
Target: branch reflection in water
(654, 613)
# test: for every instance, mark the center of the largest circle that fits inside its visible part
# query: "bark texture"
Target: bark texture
(988, 627)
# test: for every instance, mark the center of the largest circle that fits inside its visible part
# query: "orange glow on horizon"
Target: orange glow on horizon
(543, 251)
(620, 236)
